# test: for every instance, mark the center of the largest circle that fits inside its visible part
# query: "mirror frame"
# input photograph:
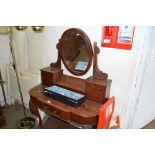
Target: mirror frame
(88, 46)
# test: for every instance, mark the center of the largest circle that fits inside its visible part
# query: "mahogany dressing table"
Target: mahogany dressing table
(96, 88)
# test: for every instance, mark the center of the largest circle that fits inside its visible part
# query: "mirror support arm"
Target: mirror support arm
(97, 73)
(57, 64)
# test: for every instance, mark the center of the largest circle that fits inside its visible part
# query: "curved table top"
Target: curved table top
(86, 114)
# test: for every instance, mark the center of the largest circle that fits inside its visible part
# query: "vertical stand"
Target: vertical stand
(3, 91)
(26, 122)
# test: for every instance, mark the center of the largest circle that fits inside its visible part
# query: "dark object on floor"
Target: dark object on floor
(54, 123)
(26, 123)
(2, 118)
(13, 115)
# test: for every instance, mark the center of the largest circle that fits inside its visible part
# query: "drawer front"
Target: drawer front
(56, 112)
(96, 97)
(94, 87)
(95, 93)
(37, 102)
(47, 78)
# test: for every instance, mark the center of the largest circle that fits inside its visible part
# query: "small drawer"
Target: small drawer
(65, 115)
(94, 87)
(52, 111)
(46, 78)
(95, 93)
(47, 83)
(96, 100)
(38, 103)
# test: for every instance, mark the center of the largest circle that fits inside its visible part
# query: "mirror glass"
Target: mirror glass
(76, 51)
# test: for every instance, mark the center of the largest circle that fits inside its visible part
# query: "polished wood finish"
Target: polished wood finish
(96, 88)
(50, 75)
(97, 73)
(86, 114)
(34, 108)
(57, 64)
(72, 83)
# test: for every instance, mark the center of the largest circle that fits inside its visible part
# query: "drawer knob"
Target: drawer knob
(45, 108)
(54, 111)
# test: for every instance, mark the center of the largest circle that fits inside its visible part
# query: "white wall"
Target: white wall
(20, 47)
(29, 49)
(4, 59)
(118, 63)
(145, 107)
(29, 52)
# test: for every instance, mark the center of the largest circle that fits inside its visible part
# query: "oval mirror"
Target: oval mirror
(76, 51)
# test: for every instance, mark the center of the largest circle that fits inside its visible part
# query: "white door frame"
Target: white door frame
(141, 64)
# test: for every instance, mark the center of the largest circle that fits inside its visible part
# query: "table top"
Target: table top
(86, 114)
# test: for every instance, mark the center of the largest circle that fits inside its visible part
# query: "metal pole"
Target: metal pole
(27, 122)
(3, 91)
(16, 71)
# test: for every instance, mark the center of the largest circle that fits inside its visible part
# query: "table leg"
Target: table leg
(34, 110)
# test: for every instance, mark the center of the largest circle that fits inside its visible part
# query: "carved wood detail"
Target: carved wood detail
(34, 110)
(97, 73)
(57, 64)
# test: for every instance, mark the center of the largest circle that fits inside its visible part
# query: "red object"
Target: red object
(120, 37)
(118, 120)
(105, 114)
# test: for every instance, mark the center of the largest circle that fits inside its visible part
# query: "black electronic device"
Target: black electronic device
(66, 96)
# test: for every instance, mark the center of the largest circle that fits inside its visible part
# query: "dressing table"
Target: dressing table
(76, 53)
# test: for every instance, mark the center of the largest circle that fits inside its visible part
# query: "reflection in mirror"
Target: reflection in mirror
(76, 51)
